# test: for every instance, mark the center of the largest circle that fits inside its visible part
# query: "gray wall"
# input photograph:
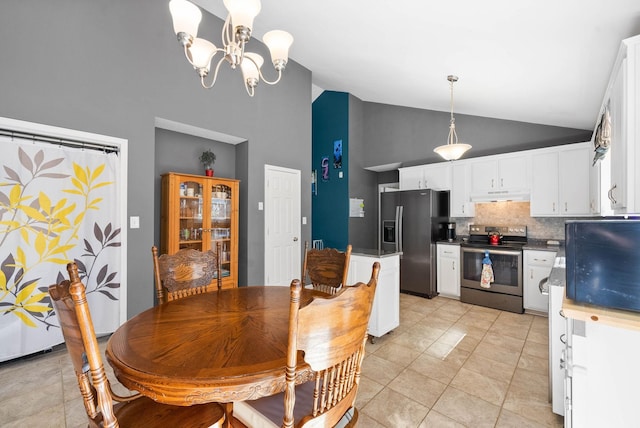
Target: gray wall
(177, 152)
(409, 135)
(362, 183)
(111, 67)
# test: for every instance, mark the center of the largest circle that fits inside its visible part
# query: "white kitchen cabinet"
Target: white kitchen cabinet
(537, 267)
(438, 176)
(448, 270)
(620, 174)
(432, 176)
(385, 313)
(602, 375)
(560, 181)
(497, 176)
(411, 178)
(595, 189)
(460, 201)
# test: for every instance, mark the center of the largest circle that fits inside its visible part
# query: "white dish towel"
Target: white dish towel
(486, 278)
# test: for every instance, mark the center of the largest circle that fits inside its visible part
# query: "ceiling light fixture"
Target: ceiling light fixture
(452, 150)
(236, 32)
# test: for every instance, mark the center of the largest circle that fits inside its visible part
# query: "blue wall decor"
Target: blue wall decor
(325, 168)
(337, 154)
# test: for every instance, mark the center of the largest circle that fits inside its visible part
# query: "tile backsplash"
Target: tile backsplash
(513, 213)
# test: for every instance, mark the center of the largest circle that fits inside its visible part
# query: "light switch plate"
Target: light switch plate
(304, 220)
(134, 222)
(260, 206)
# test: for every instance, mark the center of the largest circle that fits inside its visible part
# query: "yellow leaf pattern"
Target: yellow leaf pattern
(50, 231)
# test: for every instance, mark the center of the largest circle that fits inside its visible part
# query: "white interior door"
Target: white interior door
(282, 225)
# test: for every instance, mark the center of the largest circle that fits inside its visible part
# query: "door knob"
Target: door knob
(295, 238)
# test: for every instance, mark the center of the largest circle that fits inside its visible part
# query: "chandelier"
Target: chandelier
(452, 150)
(236, 32)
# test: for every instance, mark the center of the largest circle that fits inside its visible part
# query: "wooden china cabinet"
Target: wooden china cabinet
(197, 212)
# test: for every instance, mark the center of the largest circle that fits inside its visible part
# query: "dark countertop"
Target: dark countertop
(374, 252)
(459, 240)
(447, 242)
(543, 245)
(558, 275)
(532, 244)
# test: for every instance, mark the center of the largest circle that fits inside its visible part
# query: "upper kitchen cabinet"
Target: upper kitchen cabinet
(500, 177)
(560, 181)
(433, 176)
(461, 205)
(620, 169)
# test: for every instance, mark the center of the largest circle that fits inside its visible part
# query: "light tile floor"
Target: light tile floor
(452, 364)
(449, 364)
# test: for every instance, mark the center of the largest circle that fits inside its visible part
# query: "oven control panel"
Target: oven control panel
(476, 229)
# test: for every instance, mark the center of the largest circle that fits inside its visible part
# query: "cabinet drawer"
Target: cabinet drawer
(540, 258)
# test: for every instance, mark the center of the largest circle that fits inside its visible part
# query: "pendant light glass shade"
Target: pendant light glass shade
(452, 150)
(186, 17)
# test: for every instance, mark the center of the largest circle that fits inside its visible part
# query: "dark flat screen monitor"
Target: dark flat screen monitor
(603, 262)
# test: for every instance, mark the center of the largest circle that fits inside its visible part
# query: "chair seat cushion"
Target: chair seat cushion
(268, 412)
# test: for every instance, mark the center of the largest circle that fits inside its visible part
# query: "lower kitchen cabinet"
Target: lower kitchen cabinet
(602, 374)
(448, 270)
(537, 267)
(385, 314)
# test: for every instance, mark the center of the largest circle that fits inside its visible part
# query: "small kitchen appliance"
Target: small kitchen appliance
(451, 232)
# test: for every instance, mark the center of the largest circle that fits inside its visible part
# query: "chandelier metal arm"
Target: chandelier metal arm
(273, 82)
(215, 75)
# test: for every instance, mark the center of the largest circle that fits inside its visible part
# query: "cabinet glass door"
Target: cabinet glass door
(221, 231)
(190, 215)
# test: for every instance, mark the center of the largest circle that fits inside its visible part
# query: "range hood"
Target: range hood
(501, 195)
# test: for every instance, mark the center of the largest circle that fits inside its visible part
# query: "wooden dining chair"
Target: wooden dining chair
(186, 272)
(70, 305)
(327, 268)
(330, 332)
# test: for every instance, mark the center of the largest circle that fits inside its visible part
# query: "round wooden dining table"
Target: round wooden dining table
(223, 346)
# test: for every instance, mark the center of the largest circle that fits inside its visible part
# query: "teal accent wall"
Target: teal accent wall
(330, 206)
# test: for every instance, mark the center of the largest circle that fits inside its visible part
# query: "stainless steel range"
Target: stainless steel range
(503, 245)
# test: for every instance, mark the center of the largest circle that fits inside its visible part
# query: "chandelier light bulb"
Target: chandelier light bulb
(186, 18)
(250, 66)
(243, 12)
(201, 52)
(278, 42)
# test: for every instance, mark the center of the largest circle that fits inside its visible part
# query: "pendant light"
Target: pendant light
(452, 150)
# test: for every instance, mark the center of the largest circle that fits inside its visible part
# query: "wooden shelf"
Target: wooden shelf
(591, 313)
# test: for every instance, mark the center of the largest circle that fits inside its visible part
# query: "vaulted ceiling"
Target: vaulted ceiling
(538, 61)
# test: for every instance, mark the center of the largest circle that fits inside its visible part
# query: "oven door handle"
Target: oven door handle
(491, 251)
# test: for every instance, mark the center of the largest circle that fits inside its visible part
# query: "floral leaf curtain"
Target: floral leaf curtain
(57, 205)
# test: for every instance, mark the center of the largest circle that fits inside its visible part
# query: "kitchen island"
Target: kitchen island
(385, 314)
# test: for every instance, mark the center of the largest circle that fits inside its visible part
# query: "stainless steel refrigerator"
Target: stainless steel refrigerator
(412, 221)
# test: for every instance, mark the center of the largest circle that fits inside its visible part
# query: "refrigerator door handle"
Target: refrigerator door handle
(399, 213)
